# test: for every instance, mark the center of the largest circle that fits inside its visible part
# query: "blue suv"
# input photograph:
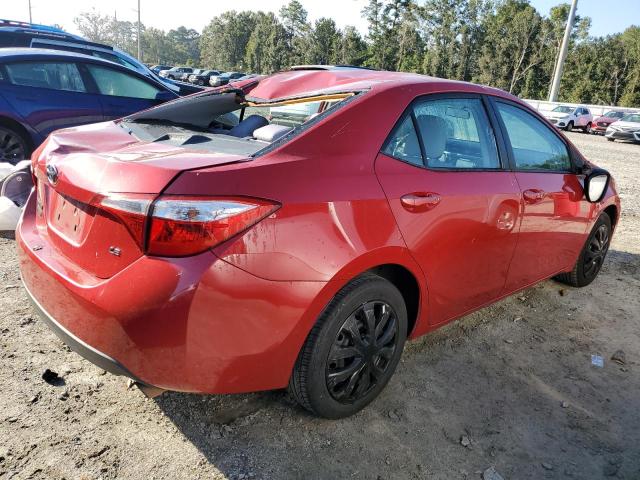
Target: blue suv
(22, 34)
(45, 90)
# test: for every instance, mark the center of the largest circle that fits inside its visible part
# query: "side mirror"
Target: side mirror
(595, 184)
(164, 96)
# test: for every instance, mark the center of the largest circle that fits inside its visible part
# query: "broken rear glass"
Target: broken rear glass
(227, 122)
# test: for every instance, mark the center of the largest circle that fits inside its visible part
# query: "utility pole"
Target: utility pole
(30, 18)
(562, 55)
(139, 56)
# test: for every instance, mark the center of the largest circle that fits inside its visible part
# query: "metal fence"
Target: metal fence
(596, 110)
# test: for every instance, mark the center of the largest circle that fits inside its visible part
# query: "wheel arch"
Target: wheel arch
(394, 264)
(612, 211)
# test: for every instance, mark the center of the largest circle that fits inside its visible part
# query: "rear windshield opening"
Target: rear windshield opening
(228, 123)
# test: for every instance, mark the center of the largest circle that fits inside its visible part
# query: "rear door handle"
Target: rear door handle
(533, 195)
(420, 201)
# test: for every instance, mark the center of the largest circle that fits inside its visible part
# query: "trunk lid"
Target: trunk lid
(79, 167)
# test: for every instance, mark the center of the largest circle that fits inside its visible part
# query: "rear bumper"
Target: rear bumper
(195, 324)
(77, 345)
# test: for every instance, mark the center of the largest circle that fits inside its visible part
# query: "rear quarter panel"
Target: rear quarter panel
(335, 221)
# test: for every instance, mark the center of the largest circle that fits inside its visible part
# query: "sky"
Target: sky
(608, 16)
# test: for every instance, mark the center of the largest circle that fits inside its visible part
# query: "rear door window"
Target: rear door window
(53, 75)
(456, 134)
(119, 84)
(403, 143)
(534, 145)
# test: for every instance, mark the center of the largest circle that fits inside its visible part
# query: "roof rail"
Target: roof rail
(32, 26)
(327, 67)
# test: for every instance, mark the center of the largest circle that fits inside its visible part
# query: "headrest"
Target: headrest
(271, 133)
(248, 125)
(434, 132)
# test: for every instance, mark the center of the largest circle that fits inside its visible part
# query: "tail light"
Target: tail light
(178, 226)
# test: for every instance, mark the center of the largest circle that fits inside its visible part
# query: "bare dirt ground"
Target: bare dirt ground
(511, 386)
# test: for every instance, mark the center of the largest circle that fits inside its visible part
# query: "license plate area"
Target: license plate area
(68, 217)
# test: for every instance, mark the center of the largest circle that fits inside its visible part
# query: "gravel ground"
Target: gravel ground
(511, 387)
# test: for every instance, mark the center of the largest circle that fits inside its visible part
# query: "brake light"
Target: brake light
(182, 226)
(178, 226)
(132, 211)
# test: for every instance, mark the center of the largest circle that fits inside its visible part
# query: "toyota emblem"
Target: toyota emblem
(52, 174)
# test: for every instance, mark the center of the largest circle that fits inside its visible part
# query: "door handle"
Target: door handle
(533, 195)
(420, 201)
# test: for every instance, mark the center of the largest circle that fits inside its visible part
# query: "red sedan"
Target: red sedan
(295, 229)
(601, 123)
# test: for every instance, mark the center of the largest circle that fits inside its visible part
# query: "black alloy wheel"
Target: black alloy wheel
(592, 256)
(13, 148)
(352, 350)
(595, 252)
(362, 351)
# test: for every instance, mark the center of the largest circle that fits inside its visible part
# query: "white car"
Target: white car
(569, 118)
(627, 128)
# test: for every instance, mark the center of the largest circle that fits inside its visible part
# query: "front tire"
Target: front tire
(569, 126)
(591, 257)
(587, 129)
(353, 350)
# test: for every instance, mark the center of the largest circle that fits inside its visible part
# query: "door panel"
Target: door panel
(50, 95)
(463, 238)
(122, 94)
(48, 110)
(552, 231)
(554, 211)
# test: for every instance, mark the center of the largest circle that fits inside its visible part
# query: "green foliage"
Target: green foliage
(504, 43)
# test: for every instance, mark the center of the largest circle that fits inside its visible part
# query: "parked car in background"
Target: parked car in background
(601, 123)
(21, 34)
(268, 254)
(224, 78)
(627, 128)
(175, 73)
(568, 118)
(203, 77)
(158, 68)
(45, 90)
(185, 76)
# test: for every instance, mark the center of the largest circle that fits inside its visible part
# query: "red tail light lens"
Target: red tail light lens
(132, 211)
(179, 226)
(182, 226)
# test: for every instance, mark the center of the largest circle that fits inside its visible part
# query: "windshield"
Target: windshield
(562, 109)
(614, 114)
(631, 117)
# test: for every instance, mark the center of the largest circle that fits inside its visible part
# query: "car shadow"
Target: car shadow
(510, 386)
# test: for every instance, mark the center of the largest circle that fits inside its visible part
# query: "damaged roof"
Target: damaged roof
(302, 83)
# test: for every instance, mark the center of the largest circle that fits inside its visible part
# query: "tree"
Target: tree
(266, 49)
(224, 41)
(94, 26)
(514, 44)
(294, 21)
(324, 42)
(351, 49)
(631, 47)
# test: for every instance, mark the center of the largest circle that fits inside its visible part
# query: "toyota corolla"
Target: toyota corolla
(215, 244)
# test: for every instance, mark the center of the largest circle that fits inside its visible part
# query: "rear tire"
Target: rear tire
(353, 350)
(611, 139)
(13, 146)
(591, 257)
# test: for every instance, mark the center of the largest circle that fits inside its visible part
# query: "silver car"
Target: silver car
(627, 128)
